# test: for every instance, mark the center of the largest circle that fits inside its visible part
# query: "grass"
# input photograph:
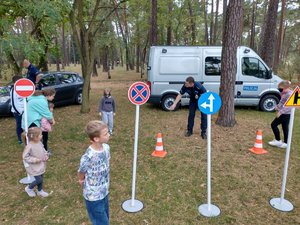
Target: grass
(171, 188)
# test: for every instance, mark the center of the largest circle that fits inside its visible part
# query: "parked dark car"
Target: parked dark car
(5, 101)
(68, 86)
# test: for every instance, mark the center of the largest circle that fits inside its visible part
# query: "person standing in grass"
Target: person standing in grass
(195, 90)
(35, 157)
(93, 173)
(107, 109)
(283, 115)
(17, 108)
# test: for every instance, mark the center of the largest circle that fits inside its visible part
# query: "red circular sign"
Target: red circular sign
(24, 87)
(138, 93)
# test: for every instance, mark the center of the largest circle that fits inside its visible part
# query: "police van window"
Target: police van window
(254, 67)
(175, 65)
(213, 66)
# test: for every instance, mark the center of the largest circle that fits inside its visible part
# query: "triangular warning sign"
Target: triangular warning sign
(294, 99)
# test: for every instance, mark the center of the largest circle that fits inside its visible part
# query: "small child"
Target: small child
(107, 109)
(93, 173)
(283, 115)
(46, 126)
(35, 157)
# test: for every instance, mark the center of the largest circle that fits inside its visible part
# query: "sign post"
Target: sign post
(209, 103)
(282, 204)
(138, 94)
(25, 88)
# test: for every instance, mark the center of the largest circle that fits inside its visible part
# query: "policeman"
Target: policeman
(194, 89)
(32, 73)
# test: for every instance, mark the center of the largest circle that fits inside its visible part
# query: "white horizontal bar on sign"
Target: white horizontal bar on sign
(24, 88)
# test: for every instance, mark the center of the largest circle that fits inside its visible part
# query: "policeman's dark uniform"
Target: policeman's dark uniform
(195, 93)
(32, 73)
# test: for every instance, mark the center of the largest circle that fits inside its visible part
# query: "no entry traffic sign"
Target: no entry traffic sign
(138, 93)
(24, 87)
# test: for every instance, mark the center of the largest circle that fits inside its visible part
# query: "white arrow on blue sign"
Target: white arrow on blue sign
(209, 103)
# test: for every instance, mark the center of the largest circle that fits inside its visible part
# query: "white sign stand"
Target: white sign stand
(282, 204)
(29, 179)
(209, 103)
(209, 210)
(132, 205)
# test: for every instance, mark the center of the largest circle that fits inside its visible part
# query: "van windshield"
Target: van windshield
(254, 67)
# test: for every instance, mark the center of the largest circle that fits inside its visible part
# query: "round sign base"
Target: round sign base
(27, 180)
(136, 207)
(214, 210)
(284, 205)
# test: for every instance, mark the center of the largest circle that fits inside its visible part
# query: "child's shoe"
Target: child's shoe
(30, 192)
(42, 194)
(275, 143)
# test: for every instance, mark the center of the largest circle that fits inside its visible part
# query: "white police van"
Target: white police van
(168, 67)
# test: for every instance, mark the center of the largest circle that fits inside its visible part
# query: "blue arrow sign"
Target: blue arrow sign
(209, 103)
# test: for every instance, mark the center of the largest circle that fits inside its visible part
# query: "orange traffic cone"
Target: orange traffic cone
(258, 146)
(159, 149)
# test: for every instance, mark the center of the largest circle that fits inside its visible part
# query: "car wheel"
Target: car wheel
(268, 103)
(167, 101)
(78, 98)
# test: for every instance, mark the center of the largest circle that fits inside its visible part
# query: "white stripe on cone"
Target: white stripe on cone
(24, 88)
(259, 137)
(159, 148)
(256, 145)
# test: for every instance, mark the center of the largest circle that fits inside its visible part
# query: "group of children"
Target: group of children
(93, 172)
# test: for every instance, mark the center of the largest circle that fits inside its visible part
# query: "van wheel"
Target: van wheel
(78, 98)
(268, 103)
(167, 101)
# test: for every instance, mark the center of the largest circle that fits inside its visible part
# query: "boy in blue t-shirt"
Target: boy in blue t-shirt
(93, 173)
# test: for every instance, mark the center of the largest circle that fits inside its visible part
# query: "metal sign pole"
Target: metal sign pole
(133, 205)
(209, 210)
(281, 203)
(29, 179)
(209, 103)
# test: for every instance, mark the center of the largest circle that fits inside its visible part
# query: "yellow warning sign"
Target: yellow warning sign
(294, 99)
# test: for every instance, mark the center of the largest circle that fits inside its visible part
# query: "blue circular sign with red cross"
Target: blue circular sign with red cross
(138, 93)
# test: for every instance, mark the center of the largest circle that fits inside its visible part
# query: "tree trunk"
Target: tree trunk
(224, 15)
(138, 54)
(216, 24)
(266, 48)
(211, 23)
(206, 40)
(57, 58)
(169, 27)
(192, 21)
(279, 37)
(253, 23)
(95, 72)
(153, 23)
(12, 61)
(231, 39)
(63, 62)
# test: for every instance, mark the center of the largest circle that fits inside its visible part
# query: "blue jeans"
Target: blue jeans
(37, 182)
(19, 129)
(192, 111)
(98, 211)
(108, 118)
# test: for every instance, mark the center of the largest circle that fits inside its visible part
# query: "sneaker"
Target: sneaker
(110, 132)
(49, 152)
(283, 145)
(30, 192)
(42, 194)
(20, 142)
(188, 133)
(275, 143)
(204, 136)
